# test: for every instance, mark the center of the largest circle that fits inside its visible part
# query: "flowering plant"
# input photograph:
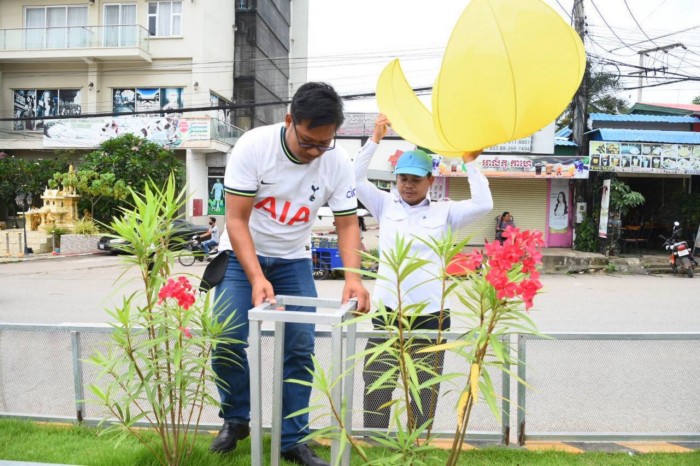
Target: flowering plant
(156, 367)
(496, 286)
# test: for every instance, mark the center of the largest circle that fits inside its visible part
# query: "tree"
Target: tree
(27, 176)
(696, 100)
(93, 187)
(602, 87)
(134, 160)
(127, 161)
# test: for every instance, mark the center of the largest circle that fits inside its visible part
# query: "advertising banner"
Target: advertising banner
(643, 157)
(184, 133)
(604, 210)
(517, 166)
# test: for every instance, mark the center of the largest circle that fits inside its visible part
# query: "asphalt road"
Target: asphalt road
(79, 289)
(579, 386)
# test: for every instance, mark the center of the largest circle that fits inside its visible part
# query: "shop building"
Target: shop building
(657, 155)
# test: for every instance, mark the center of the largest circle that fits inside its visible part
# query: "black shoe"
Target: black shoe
(228, 437)
(302, 454)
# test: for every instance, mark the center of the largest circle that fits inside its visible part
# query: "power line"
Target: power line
(639, 25)
(364, 95)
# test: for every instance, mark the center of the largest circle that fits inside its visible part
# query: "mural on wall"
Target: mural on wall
(171, 100)
(157, 101)
(123, 100)
(25, 107)
(30, 103)
(215, 202)
(148, 100)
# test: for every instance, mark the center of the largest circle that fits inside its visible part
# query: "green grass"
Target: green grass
(27, 441)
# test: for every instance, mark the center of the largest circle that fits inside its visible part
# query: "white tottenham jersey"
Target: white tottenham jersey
(287, 193)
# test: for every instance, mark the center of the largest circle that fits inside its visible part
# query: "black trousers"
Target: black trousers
(376, 415)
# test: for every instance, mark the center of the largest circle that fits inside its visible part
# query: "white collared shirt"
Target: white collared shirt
(426, 220)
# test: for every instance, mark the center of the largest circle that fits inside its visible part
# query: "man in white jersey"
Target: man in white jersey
(277, 178)
(409, 213)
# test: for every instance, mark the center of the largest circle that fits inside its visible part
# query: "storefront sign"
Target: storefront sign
(642, 157)
(184, 133)
(517, 166)
(519, 145)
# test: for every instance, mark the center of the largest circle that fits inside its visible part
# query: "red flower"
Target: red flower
(181, 290)
(517, 248)
(186, 331)
(463, 263)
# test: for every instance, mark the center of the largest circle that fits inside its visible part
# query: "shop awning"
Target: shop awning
(637, 135)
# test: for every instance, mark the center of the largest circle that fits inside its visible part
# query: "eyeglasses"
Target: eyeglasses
(306, 145)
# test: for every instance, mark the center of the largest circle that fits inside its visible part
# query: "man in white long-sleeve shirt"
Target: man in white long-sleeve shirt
(408, 212)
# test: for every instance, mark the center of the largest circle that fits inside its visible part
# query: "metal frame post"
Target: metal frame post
(522, 375)
(77, 375)
(266, 312)
(256, 442)
(505, 391)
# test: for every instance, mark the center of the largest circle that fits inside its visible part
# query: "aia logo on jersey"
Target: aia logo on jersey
(285, 213)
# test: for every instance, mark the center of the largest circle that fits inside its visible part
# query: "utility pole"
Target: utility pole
(642, 54)
(578, 107)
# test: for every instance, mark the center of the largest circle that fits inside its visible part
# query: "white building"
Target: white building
(86, 57)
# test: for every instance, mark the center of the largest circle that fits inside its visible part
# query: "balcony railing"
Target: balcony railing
(225, 132)
(74, 37)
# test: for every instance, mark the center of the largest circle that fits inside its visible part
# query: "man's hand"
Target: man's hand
(262, 292)
(381, 126)
(471, 156)
(355, 289)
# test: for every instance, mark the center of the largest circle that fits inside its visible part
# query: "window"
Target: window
(120, 25)
(165, 18)
(56, 27)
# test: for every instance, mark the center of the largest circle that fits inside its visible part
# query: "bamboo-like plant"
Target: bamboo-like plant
(496, 287)
(156, 367)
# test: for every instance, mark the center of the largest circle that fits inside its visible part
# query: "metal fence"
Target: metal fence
(608, 386)
(584, 386)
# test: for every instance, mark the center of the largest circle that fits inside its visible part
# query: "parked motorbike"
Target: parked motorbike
(192, 251)
(681, 258)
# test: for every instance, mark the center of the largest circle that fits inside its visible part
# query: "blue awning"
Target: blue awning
(637, 118)
(638, 135)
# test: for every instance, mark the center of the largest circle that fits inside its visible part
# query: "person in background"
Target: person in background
(408, 212)
(212, 234)
(276, 180)
(502, 222)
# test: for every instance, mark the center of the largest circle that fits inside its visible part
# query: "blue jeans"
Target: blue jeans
(206, 244)
(292, 277)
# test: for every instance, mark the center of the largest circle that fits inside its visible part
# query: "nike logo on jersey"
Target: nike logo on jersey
(262, 182)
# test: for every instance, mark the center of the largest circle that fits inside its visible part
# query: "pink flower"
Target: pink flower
(186, 331)
(518, 248)
(180, 290)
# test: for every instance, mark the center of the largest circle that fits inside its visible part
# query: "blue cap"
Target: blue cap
(414, 162)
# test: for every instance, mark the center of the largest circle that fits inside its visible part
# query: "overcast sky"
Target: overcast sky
(350, 42)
